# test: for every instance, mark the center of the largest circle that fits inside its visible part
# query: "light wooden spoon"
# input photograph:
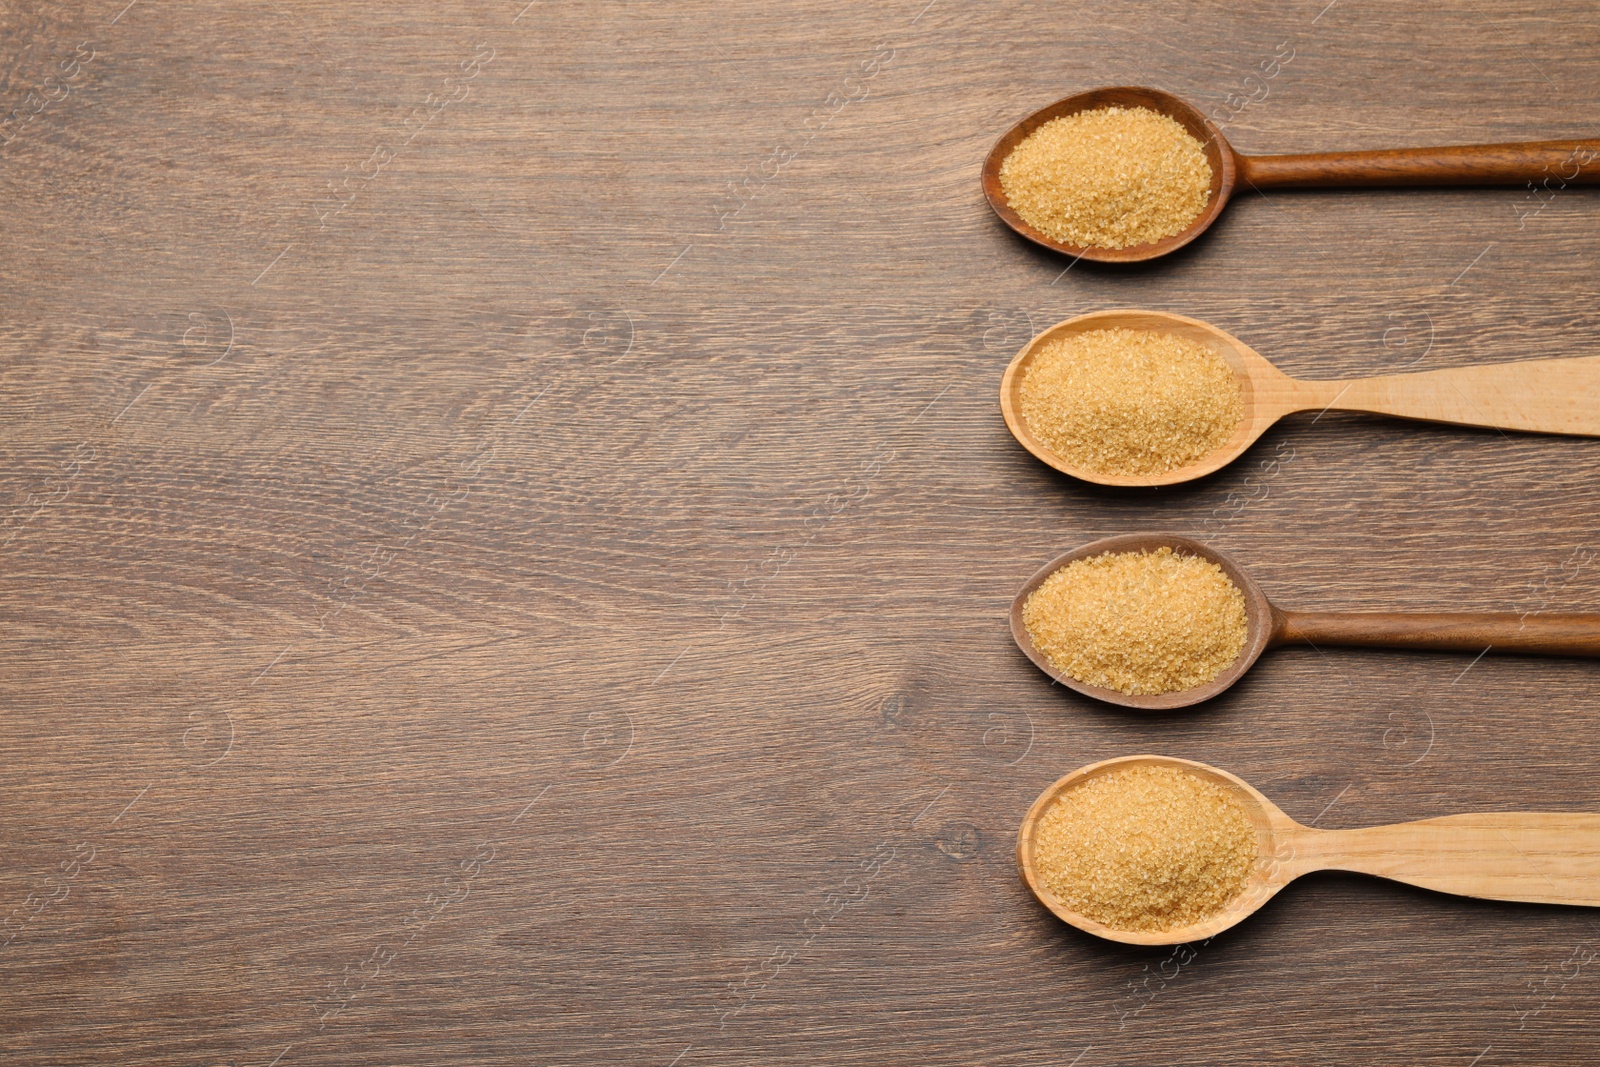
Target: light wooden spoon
(1555, 396)
(1570, 162)
(1267, 626)
(1527, 856)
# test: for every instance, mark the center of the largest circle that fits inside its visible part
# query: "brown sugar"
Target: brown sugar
(1130, 402)
(1145, 848)
(1111, 177)
(1138, 622)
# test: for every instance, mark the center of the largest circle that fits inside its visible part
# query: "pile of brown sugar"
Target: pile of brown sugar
(1112, 177)
(1145, 848)
(1130, 402)
(1138, 622)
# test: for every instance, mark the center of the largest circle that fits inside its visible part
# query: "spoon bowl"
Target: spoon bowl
(1530, 857)
(1266, 878)
(1262, 389)
(1260, 621)
(1224, 171)
(1267, 626)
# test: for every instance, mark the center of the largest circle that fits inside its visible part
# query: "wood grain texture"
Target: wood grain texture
(399, 434)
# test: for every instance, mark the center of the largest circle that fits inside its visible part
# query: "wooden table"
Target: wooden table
(508, 533)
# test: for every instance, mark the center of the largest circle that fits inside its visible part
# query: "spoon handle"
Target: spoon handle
(1509, 631)
(1533, 395)
(1553, 163)
(1538, 857)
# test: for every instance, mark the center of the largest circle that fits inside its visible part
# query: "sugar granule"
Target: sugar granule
(1111, 177)
(1145, 848)
(1130, 402)
(1140, 623)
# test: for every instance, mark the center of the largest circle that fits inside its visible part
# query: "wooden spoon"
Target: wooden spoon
(1528, 856)
(1488, 164)
(1558, 396)
(1267, 626)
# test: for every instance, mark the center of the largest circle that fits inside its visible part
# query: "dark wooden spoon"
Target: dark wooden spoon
(1267, 626)
(1493, 164)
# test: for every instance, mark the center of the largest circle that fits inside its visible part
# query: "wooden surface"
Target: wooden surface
(509, 533)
